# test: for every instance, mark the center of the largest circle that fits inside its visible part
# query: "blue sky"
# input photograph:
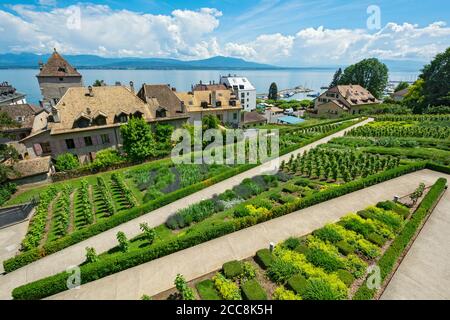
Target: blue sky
(283, 32)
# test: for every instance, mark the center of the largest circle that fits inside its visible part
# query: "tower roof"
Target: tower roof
(57, 66)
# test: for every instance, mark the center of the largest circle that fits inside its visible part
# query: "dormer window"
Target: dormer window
(137, 114)
(204, 104)
(161, 112)
(122, 117)
(100, 120)
(82, 121)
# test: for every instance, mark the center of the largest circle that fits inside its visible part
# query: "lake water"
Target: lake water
(24, 80)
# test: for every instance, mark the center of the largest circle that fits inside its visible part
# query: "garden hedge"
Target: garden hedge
(110, 265)
(252, 290)
(398, 246)
(232, 269)
(129, 214)
(264, 258)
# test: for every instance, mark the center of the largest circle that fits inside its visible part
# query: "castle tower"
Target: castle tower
(55, 77)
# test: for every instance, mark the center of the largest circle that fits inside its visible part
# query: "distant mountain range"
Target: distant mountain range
(31, 60)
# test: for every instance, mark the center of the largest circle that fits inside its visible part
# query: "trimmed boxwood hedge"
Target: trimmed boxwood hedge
(126, 215)
(298, 284)
(264, 258)
(94, 271)
(345, 276)
(396, 249)
(207, 290)
(252, 290)
(232, 269)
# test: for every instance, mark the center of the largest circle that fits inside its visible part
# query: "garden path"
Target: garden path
(425, 271)
(158, 275)
(74, 255)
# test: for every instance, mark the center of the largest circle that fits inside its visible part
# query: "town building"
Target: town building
(221, 103)
(55, 78)
(26, 117)
(164, 104)
(10, 96)
(208, 87)
(400, 95)
(87, 120)
(344, 99)
(252, 119)
(243, 89)
(272, 114)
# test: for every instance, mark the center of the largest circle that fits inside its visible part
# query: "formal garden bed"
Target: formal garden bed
(114, 195)
(331, 263)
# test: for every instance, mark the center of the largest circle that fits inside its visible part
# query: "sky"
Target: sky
(278, 32)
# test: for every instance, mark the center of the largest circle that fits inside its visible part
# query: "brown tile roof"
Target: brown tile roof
(57, 66)
(193, 100)
(26, 111)
(401, 93)
(31, 167)
(105, 100)
(207, 87)
(161, 96)
(252, 117)
(354, 94)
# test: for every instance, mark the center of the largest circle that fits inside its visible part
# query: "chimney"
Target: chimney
(213, 99)
(210, 82)
(132, 86)
(200, 81)
(91, 93)
(55, 114)
(174, 89)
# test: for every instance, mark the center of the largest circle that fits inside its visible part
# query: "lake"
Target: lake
(24, 80)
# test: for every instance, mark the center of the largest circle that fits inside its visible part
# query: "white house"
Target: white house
(243, 90)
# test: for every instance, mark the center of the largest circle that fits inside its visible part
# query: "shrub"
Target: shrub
(328, 233)
(389, 218)
(105, 159)
(66, 161)
(324, 259)
(344, 247)
(252, 290)
(228, 290)
(6, 191)
(124, 244)
(355, 265)
(297, 284)
(233, 269)
(356, 223)
(207, 291)
(280, 271)
(149, 233)
(368, 249)
(376, 239)
(264, 258)
(249, 271)
(291, 243)
(345, 276)
(301, 248)
(281, 293)
(194, 213)
(184, 290)
(396, 207)
(320, 289)
(91, 255)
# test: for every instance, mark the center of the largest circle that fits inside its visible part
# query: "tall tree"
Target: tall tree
(210, 121)
(368, 73)
(7, 152)
(436, 76)
(98, 83)
(401, 85)
(273, 91)
(336, 78)
(138, 141)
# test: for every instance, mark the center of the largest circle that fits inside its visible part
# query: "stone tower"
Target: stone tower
(55, 77)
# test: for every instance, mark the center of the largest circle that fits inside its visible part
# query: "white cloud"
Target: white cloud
(189, 34)
(321, 46)
(50, 3)
(183, 34)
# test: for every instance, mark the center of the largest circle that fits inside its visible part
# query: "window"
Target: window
(105, 138)
(248, 99)
(242, 95)
(88, 141)
(248, 93)
(161, 113)
(241, 86)
(46, 149)
(61, 79)
(242, 101)
(19, 119)
(100, 120)
(70, 144)
(235, 116)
